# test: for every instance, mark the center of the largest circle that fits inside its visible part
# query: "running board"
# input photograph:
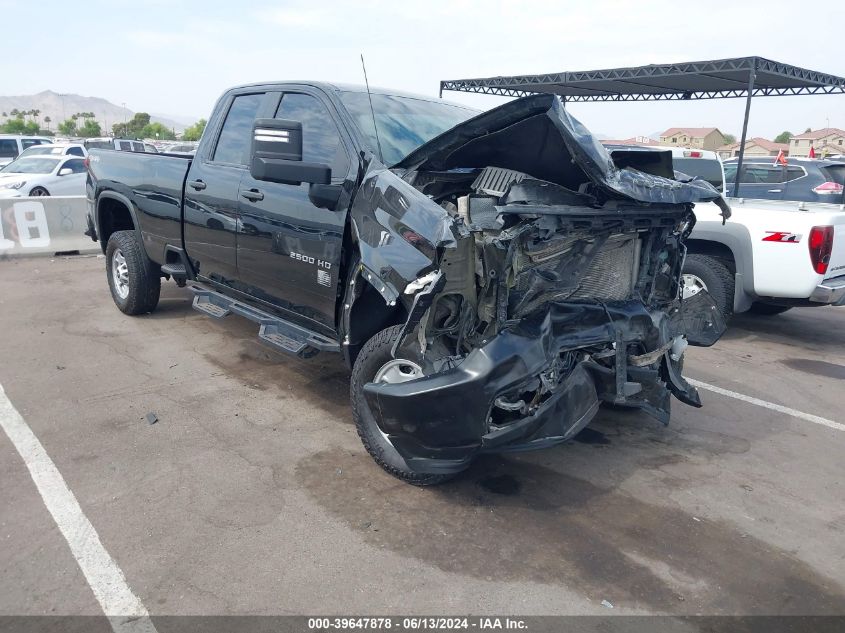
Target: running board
(278, 333)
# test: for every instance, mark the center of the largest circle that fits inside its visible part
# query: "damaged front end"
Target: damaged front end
(539, 279)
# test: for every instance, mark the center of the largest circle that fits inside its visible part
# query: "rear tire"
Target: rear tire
(767, 309)
(716, 279)
(134, 281)
(373, 357)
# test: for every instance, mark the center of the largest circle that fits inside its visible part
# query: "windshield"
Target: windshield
(32, 165)
(42, 149)
(404, 123)
(703, 168)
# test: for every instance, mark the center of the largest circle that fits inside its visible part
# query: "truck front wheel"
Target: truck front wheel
(376, 364)
(702, 272)
(134, 281)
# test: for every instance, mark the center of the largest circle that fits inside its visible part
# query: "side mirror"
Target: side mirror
(65, 171)
(277, 154)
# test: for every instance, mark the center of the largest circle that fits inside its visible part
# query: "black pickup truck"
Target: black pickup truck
(490, 278)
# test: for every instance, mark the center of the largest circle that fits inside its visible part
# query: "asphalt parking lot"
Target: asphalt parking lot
(253, 495)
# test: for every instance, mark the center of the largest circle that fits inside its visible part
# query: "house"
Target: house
(699, 137)
(829, 140)
(634, 140)
(756, 146)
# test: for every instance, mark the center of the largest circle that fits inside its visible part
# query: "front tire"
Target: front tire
(376, 362)
(134, 281)
(702, 272)
(38, 192)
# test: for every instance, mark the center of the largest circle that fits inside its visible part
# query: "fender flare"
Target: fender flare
(113, 195)
(737, 239)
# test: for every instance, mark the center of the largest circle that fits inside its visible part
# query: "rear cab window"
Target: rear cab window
(703, 168)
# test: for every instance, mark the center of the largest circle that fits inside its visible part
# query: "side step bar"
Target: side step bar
(278, 333)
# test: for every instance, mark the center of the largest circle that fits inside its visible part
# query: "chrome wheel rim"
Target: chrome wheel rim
(120, 274)
(398, 370)
(38, 192)
(692, 285)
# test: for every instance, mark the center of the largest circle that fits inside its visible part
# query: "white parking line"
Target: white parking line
(124, 609)
(768, 405)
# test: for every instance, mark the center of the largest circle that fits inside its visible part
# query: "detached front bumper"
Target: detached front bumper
(830, 291)
(438, 423)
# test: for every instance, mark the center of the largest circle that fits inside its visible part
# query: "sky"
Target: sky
(175, 57)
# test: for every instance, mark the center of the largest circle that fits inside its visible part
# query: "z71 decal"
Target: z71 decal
(780, 236)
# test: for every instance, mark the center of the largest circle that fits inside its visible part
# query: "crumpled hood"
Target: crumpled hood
(537, 135)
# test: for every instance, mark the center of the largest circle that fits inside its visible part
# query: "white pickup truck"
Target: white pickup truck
(770, 256)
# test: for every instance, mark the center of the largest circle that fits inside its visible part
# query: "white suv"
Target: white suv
(11, 145)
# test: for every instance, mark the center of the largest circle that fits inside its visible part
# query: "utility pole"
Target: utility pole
(125, 120)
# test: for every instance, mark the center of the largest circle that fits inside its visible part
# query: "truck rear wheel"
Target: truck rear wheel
(376, 364)
(134, 281)
(702, 272)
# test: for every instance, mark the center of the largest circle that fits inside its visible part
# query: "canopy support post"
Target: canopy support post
(751, 76)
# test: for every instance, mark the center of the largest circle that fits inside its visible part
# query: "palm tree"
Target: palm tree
(48, 121)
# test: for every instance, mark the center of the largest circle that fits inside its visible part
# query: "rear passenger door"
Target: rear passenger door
(289, 240)
(211, 190)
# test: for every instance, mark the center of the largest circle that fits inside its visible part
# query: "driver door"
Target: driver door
(289, 241)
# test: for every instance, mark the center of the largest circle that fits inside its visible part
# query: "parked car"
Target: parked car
(187, 149)
(12, 145)
(56, 149)
(801, 180)
(489, 278)
(43, 176)
(771, 256)
(120, 144)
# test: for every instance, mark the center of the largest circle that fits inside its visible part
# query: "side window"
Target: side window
(75, 151)
(76, 165)
(321, 141)
(29, 142)
(125, 146)
(793, 173)
(236, 135)
(762, 174)
(8, 148)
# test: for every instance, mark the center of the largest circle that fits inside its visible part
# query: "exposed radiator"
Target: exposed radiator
(611, 275)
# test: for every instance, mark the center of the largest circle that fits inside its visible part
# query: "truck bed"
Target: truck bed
(151, 185)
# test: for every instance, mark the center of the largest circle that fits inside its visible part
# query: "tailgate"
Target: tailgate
(836, 267)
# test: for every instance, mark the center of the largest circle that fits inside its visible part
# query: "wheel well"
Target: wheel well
(113, 215)
(713, 249)
(368, 316)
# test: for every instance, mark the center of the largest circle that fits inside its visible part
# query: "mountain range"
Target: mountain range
(60, 106)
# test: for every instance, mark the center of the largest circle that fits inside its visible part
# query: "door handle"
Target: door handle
(774, 190)
(253, 194)
(199, 185)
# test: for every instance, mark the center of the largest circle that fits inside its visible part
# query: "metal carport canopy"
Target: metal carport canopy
(715, 79)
